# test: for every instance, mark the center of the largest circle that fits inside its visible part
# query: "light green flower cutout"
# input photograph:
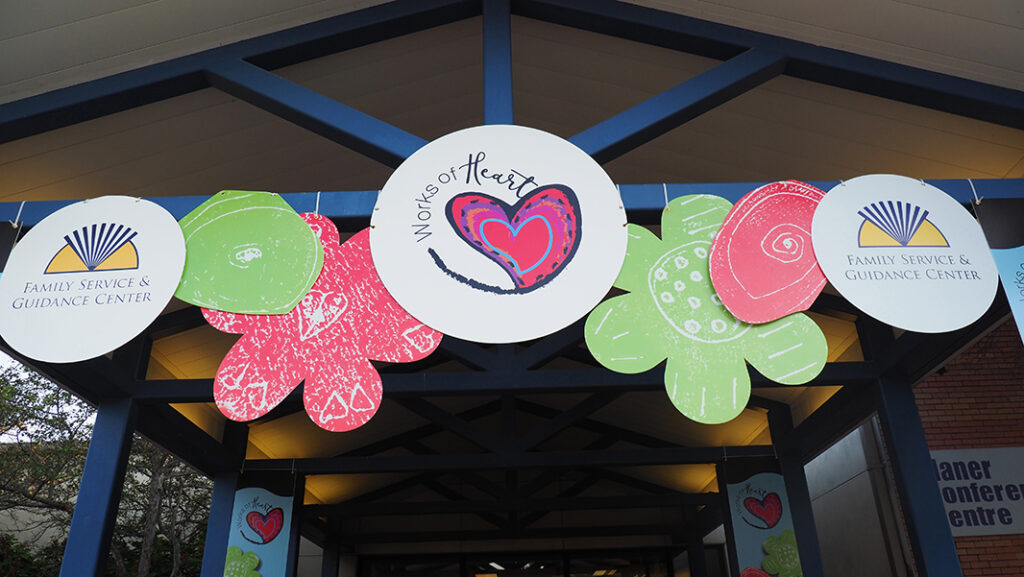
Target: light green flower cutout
(783, 558)
(671, 311)
(238, 564)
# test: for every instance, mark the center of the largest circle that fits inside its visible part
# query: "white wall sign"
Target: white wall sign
(905, 253)
(89, 278)
(498, 234)
(982, 489)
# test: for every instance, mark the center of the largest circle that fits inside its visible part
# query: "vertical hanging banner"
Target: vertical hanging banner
(1001, 219)
(260, 530)
(763, 527)
(904, 252)
(89, 278)
(498, 234)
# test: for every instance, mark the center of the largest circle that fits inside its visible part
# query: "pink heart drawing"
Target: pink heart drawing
(318, 310)
(266, 526)
(532, 241)
(768, 509)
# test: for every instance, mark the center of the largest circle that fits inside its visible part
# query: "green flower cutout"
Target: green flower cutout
(238, 564)
(783, 558)
(671, 311)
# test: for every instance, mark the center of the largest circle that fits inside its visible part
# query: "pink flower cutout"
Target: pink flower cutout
(345, 319)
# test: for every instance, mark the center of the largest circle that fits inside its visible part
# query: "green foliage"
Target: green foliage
(44, 433)
(17, 560)
(44, 438)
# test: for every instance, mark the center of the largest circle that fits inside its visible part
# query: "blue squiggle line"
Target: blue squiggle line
(515, 231)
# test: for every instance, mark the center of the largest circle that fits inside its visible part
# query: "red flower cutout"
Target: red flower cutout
(347, 318)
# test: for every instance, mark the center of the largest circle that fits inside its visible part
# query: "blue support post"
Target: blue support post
(222, 504)
(730, 534)
(295, 536)
(660, 114)
(100, 493)
(695, 556)
(331, 560)
(313, 111)
(925, 517)
(791, 466)
(498, 103)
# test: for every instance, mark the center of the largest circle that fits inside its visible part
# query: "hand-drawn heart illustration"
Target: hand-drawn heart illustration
(768, 509)
(266, 526)
(318, 310)
(532, 240)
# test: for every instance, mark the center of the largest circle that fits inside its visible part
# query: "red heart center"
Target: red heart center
(266, 526)
(768, 509)
(527, 245)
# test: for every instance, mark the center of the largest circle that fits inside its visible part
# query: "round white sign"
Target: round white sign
(905, 253)
(89, 278)
(498, 234)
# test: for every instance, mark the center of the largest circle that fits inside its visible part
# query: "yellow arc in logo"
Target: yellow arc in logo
(927, 234)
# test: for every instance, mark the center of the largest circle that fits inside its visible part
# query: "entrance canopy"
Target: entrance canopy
(532, 445)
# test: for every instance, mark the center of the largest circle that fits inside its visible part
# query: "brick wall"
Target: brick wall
(978, 402)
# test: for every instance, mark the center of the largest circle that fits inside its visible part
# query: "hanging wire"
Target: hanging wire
(16, 224)
(618, 189)
(376, 207)
(977, 200)
(17, 218)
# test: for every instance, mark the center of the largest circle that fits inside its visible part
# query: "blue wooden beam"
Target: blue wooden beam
(100, 492)
(316, 112)
(219, 524)
(498, 102)
(808, 61)
(931, 541)
(478, 461)
(419, 385)
(730, 532)
(163, 80)
(295, 536)
(791, 465)
(225, 483)
(660, 114)
(330, 562)
(842, 413)
(695, 556)
(357, 205)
